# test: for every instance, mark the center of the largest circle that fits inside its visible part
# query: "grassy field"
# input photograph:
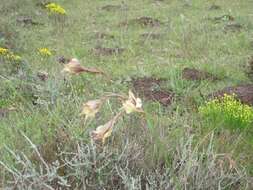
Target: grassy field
(171, 53)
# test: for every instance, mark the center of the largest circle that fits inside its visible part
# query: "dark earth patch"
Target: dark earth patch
(26, 20)
(42, 75)
(62, 59)
(150, 89)
(244, 93)
(233, 27)
(143, 21)
(107, 51)
(114, 7)
(194, 74)
(154, 36)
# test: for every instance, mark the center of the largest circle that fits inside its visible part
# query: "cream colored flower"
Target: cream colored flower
(91, 108)
(74, 67)
(132, 104)
(104, 131)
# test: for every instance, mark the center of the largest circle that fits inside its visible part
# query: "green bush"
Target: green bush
(228, 111)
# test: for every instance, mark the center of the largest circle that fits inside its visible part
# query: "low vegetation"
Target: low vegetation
(126, 95)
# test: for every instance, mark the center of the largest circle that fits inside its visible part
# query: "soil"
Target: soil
(143, 21)
(42, 75)
(25, 20)
(102, 51)
(194, 74)
(233, 27)
(244, 93)
(149, 88)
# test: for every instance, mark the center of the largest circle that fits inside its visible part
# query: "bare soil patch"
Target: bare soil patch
(233, 27)
(194, 74)
(149, 88)
(103, 51)
(27, 20)
(244, 93)
(143, 21)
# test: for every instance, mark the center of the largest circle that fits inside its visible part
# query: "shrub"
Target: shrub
(228, 111)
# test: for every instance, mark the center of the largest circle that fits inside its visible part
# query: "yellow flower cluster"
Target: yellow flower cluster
(9, 55)
(3, 51)
(44, 52)
(231, 111)
(55, 8)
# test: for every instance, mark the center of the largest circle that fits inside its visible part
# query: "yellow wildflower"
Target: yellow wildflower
(9, 55)
(3, 51)
(55, 8)
(229, 109)
(44, 52)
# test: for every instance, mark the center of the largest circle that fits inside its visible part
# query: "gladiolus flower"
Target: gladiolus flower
(74, 67)
(91, 108)
(104, 131)
(132, 104)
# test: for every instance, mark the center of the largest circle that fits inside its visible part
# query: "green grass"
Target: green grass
(175, 134)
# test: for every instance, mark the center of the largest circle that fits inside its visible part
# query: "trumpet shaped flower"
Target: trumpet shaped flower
(104, 131)
(91, 108)
(74, 67)
(132, 104)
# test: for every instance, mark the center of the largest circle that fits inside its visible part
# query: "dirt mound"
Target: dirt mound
(194, 74)
(244, 93)
(102, 51)
(150, 89)
(143, 21)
